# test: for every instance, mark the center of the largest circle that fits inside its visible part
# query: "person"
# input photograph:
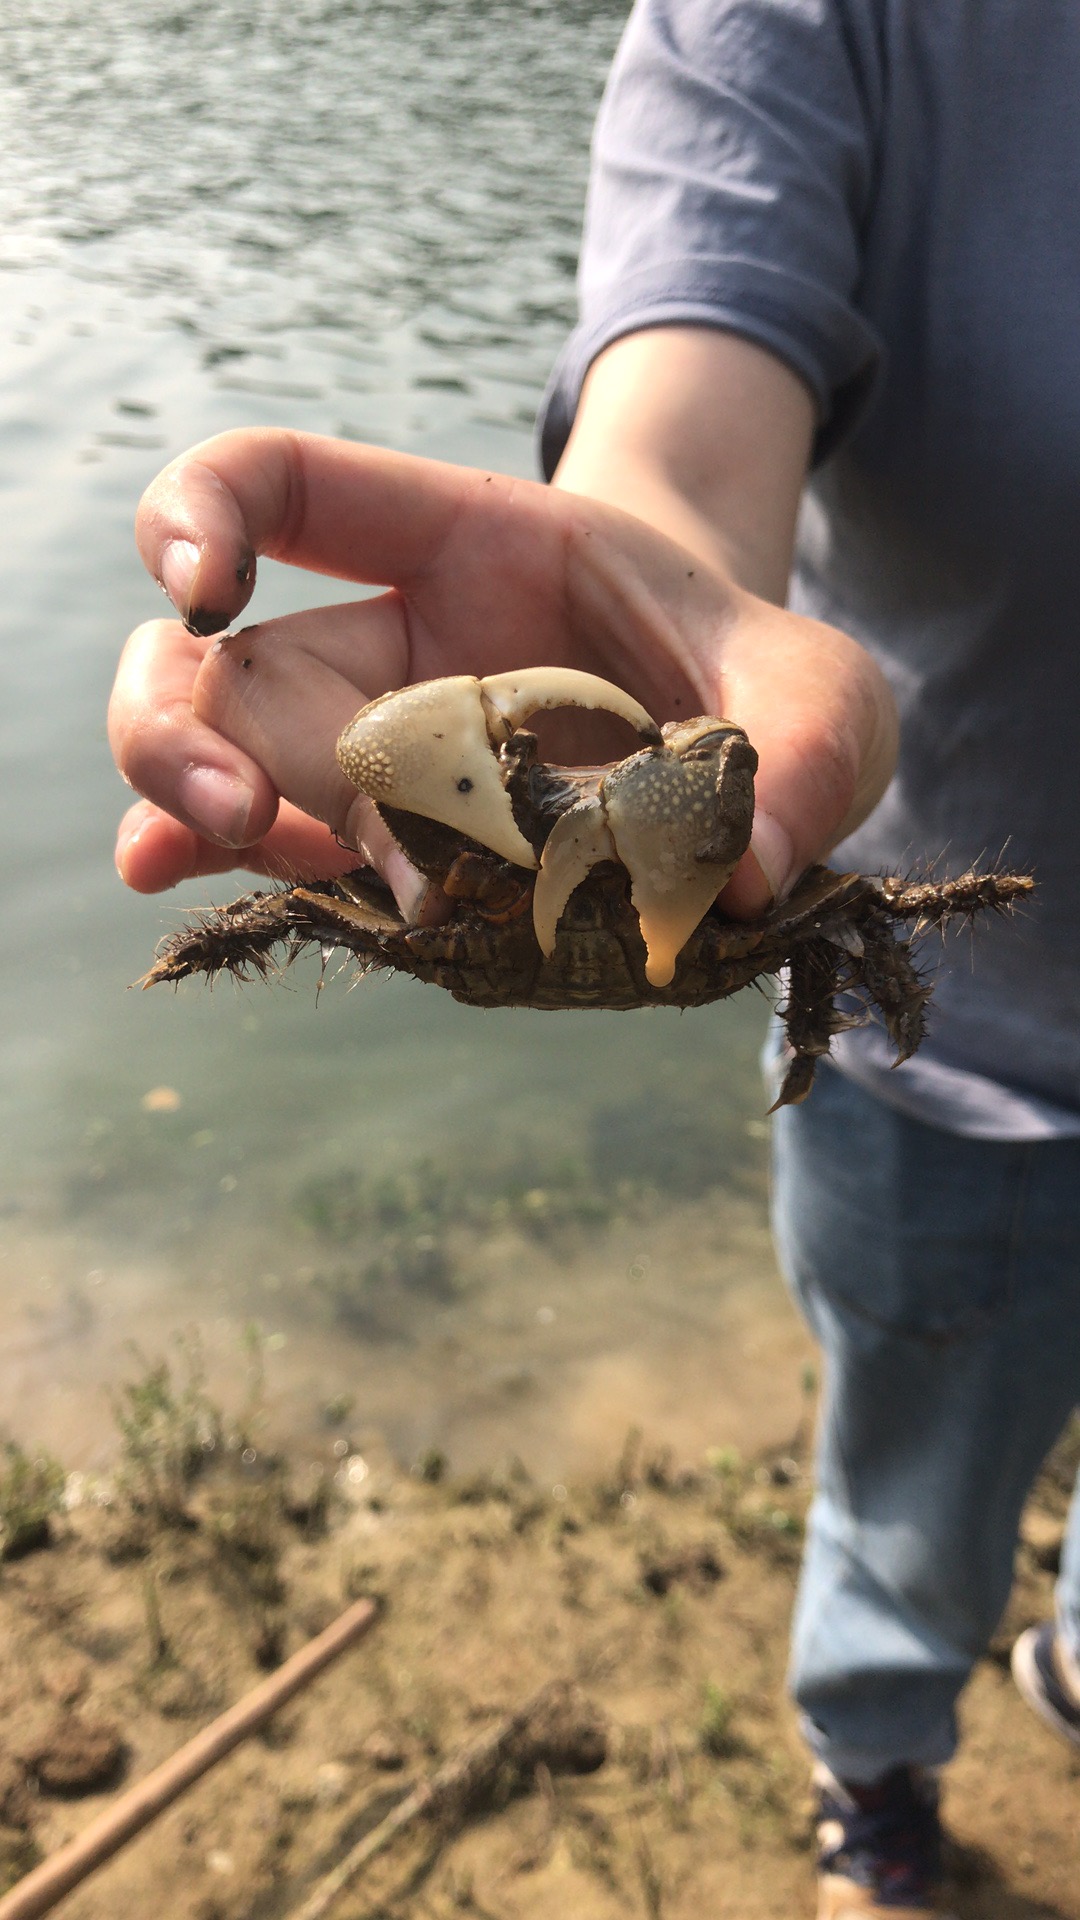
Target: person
(826, 358)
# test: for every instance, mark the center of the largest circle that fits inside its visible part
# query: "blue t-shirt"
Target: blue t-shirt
(886, 193)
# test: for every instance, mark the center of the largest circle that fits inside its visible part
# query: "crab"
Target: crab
(591, 887)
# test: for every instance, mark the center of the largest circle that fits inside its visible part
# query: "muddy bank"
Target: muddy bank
(661, 1586)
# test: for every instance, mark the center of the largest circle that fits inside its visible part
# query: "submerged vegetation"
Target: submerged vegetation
(416, 1226)
(424, 1201)
(414, 1229)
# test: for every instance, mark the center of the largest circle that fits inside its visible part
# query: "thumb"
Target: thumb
(822, 717)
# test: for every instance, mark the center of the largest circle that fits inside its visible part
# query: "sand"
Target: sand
(662, 1586)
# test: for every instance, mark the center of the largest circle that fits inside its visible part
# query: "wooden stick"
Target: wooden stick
(453, 1783)
(42, 1889)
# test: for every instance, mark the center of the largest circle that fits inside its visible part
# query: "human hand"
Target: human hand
(231, 741)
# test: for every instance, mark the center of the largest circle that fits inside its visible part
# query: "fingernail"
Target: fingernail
(205, 621)
(435, 907)
(372, 838)
(126, 838)
(178, 566)
(409, 888)
(772, 848)
(216, 803)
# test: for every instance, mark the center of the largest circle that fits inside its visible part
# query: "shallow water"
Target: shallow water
(359, 219)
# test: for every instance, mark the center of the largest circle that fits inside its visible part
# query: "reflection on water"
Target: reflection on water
(359, 219)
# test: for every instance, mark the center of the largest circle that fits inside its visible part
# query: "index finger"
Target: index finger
(333, 507)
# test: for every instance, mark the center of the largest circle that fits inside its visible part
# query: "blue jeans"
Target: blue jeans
(941, 1276)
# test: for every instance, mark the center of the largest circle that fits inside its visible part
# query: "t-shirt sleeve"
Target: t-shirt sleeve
(733, 166)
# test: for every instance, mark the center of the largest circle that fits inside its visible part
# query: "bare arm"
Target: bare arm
(703, 435)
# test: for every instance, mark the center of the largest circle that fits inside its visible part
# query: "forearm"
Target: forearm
(707, 439)
(704, 436)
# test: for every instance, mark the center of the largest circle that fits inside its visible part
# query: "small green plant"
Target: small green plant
(160, 1650)
(715, 1724)
(331, 1206)
(544, 1203)
(168, 1430)
(344, 1206)
(252, 1416)
(31, 1491)
(399, 1225)
(782, 1522)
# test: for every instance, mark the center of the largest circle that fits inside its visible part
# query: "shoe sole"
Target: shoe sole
(1029, 1685)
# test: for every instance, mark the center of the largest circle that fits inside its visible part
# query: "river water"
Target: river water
(359, 219)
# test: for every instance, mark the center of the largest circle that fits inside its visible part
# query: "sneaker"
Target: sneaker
(1039, 1666)
(880, 1847)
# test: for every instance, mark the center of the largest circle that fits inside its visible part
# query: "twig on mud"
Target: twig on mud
(42, 1889)
(665, 1765)
(652, 1885)
(555, 1730)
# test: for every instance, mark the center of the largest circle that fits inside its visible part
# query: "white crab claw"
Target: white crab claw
(577, 841)
(670, 905)
(677, 819)
(656, 828)
(430, 748)
(515, 696)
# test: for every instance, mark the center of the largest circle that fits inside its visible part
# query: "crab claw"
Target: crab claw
(578, 841)
(671, 889)
(678, 819)
(430, 748)
(515, 696)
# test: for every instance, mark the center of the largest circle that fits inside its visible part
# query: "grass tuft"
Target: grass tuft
(31, 1492)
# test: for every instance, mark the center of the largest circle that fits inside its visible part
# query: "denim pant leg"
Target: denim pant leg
(941, 1276)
